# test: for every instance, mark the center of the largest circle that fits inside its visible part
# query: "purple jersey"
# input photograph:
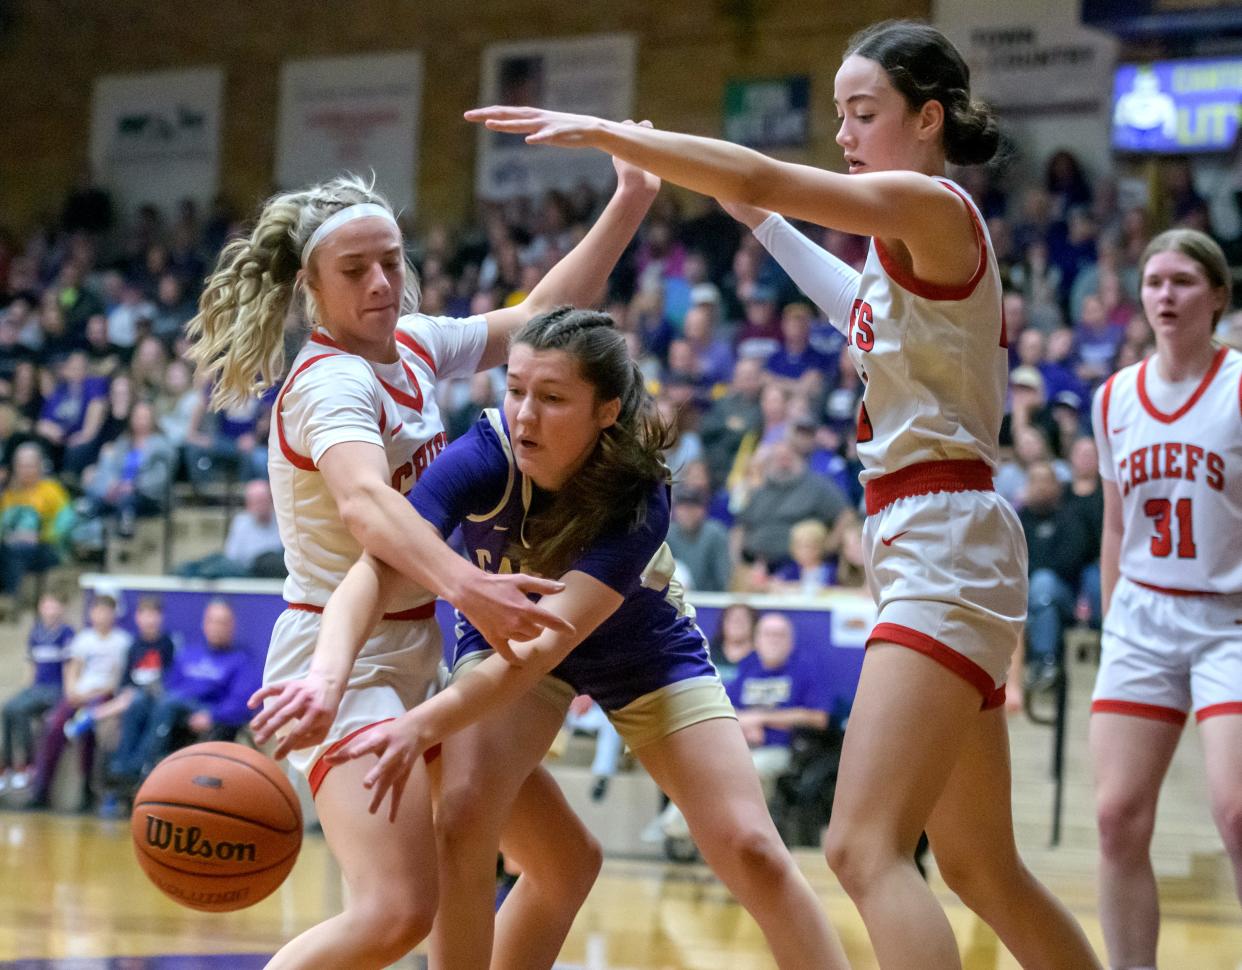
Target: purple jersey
(650, 642)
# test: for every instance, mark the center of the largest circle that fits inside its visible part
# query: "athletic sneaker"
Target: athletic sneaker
(79, 724)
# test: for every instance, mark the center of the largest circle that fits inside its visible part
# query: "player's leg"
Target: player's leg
(484, 767)
(389, 870)
(907, 726)
(971, 833)
(1130, 756)
(706, 770)
(1222, 751)
(559, 860)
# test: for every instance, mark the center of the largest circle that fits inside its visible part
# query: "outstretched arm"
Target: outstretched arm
(900, 205)
(585, 603)
(829, 282)
(579, 278)
(388, 527)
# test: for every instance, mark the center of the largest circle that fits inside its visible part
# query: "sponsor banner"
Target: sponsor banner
(155, 138)
(352, 114)
(1036, 66)
(768, 112)
(586, 75)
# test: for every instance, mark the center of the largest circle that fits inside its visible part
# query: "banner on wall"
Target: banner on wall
(1177, 106)
(155, 138)
(1036, 67)
(352, 114)
(768, 113)
(588, 75)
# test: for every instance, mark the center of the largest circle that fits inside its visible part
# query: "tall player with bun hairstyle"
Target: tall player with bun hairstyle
(1169, 432)
(928, 746)
(355, 424)
(569, 480)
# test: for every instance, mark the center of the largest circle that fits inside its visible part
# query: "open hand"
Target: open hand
(498, 607)
(540, 126)
(309, 704)
(398, 745)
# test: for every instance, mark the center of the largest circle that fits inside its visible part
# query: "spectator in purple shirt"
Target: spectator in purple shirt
(714, 356)
(64, 411)
(47, 650)
(205, 691)
(797, 356)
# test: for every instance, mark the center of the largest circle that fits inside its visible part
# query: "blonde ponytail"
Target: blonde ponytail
(237, 336)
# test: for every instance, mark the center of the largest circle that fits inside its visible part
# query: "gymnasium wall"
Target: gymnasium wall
(52, 50)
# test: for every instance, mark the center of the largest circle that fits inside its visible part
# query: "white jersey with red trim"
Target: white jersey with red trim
(331, 396)
(1175, 454)
(933, 358)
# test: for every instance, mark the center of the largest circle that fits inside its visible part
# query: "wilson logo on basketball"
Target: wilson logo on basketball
(167, 837)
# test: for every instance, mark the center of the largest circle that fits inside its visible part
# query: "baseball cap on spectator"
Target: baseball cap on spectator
(704, 293)
(1027, 376)
(1069, 399)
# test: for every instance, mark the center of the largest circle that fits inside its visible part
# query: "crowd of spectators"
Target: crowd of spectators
(137, 690)
(100, 414)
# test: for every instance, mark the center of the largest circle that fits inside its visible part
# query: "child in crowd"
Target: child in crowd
(92, 674)
(47, 650)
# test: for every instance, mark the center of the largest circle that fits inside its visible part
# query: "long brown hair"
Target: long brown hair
(611, 489)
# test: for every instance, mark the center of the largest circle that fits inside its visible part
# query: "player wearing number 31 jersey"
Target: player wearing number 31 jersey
(1169, 432)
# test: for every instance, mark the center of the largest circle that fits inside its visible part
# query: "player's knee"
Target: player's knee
(389, 925)
(755, 849)
(855, 856)
(1125, 825)
(1228, 815)
(981, 880)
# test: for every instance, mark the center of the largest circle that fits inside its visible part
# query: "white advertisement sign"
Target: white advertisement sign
(156, 137)
(1037, 65)
(352, 114)
(587, 75)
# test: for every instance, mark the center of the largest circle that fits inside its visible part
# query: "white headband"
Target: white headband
(361, 210)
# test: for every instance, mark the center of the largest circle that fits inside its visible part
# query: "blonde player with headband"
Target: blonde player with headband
(1169, 432)
(928, 746)
(355, 424)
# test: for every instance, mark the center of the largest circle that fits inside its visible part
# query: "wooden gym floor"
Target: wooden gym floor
(72, 897)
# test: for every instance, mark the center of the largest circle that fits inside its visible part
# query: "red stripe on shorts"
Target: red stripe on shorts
(944, 655)
(319, 770)
(1152, 712)
(1216, 710)
(424, 612)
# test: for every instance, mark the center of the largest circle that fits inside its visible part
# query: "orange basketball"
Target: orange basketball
(216, 826)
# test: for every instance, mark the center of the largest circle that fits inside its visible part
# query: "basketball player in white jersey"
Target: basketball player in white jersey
(927, 746)
(355, 424)
(1169, 431)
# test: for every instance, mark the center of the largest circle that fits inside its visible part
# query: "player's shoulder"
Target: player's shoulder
(318, 369)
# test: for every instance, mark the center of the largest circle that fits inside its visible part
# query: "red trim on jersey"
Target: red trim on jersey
(1194, 398)
(926, 478)
(296, 460)
(939, 291)
(408, 341)
(424, 612)
(404, 398)
(946, 656)
(319, 770)
(1108, 393)
(1170, 591)
(1152, 712)
(1216, 710)
(321, 337)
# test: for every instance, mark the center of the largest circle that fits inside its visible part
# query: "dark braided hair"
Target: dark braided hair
(610, 491)
(923, 65)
